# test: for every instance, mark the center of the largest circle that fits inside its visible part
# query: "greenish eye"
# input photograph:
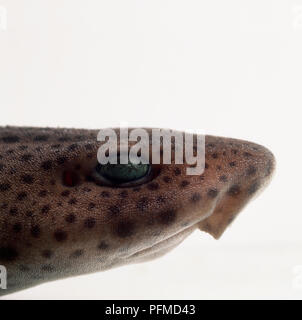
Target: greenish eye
(123, 173)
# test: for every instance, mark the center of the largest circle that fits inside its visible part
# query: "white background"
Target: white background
(231, 68)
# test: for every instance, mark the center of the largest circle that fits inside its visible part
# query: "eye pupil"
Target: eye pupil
(121, 173)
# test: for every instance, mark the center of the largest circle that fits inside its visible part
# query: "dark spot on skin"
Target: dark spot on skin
(61, 160)
(234, 151)
(64, 139)
(177, 171)
(72, 201)
(21, 196)
(142, 203)
(13, 171)
(89, 223)
(45, 209)
(72, 147)
(65, 193)
(13, 211)
(4, 187)
(153, 186)
(160, 199)
(80, 137)
(103, 245)
(232, 164)
(17, 227)
(55, 146)
(212, 193)
(89, 155)
(125, 228)
(70, 218)
(60, 235)
(253, 188)
(215, 155)
(114, 210)
(41, 138)
(28, 179)
(211, 145)
(10, 151)
(10, 139)
(46, 165)
(42, 193)
(47, 254)
(218, 167)
(88, 147)
(196, 197)
(247, 154)
(47, 268)
(123, 194)
(8, 253)
(223, 178)
(77, 253)
(167, 217)
(234, 190)
(206, 166)
(251, 170)
(167, 179)
(184, 183)
(91, 206)
(35, 231)
(105, 194)
(4, 206)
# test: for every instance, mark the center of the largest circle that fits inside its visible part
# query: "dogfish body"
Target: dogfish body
(57, 220)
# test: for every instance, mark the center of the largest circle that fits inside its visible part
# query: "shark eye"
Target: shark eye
(122, 174)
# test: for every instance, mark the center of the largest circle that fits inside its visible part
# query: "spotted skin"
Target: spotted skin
(56, 221)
